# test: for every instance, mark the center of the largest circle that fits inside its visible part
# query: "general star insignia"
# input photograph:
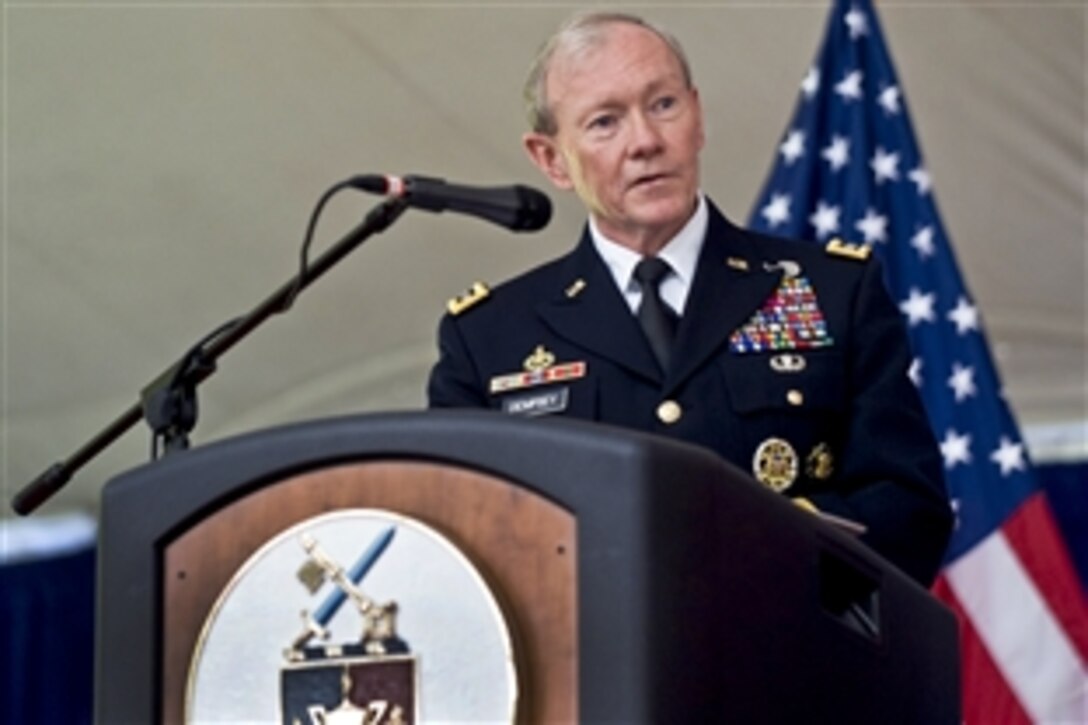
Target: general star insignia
(839, 248)
(478, 293)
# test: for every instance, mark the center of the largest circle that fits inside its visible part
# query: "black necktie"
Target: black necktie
(658, 320)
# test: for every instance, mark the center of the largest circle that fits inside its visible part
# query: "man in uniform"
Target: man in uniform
(787, 359)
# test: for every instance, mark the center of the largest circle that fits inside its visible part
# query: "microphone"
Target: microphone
(518, 208)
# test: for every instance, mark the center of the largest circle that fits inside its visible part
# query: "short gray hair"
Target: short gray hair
(579, 33)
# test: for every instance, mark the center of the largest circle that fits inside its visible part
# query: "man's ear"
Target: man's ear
(544, 152)
(699, 116)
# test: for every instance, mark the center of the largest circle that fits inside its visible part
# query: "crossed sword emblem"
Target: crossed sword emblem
(321, 566)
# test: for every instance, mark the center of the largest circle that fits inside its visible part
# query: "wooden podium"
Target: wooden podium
(644, 580)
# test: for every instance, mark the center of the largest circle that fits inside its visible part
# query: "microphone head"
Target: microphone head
(534, 209)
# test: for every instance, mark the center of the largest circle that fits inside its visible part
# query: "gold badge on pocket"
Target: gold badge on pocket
(775, 464)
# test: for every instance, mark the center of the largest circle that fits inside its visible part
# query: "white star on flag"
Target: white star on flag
(858, 24)
(918, 307)
(825, 219)
(810, 86)
(955, 448)
(923, 242)
(850, 86)
(793, 147)
(837, 153)
(915, 372)
(1009, 456)
(962, 381)
(889, 100)
(873, 226)
(965, 315)
(778, 210)
(921, 179)
(885, 166)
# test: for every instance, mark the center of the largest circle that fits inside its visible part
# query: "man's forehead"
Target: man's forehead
(599, 65)
(615, 38)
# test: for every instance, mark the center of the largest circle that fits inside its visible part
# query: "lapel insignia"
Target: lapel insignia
(775, 464)
(820, 464)
(839, 248)
(788, 363)
(790, 319)
(478, 293)
(540, 368)
(575, 288)
(741, 265)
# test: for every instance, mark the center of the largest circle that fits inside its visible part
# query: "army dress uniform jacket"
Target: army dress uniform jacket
(789, 361)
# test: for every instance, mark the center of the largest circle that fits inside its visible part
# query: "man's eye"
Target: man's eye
(664, 103)
(602, 123)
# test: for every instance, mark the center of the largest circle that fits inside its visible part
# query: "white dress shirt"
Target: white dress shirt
(681, 252)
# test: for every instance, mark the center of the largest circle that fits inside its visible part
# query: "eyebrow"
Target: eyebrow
(612, 103)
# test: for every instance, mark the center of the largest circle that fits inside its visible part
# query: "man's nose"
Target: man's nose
(646, 138)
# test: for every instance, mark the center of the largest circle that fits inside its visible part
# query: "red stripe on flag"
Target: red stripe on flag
(1033, 534)
(987, 698)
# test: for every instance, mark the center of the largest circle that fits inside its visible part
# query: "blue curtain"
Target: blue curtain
(47, 627)
(1066, 485)
(47, 615)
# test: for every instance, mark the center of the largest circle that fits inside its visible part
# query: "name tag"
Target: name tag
(552, 400)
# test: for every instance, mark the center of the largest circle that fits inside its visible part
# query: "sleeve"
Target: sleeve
(891, 477)
(455, 380)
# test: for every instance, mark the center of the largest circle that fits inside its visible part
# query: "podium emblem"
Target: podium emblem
(374, 676)
(397, 627)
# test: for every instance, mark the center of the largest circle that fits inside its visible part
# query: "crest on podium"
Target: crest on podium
(356, 577)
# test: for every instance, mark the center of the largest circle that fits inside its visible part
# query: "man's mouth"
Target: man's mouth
(648, 180)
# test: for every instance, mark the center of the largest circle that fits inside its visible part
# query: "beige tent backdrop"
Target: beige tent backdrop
(160, 162)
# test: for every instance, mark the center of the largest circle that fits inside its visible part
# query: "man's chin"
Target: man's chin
(663, 213)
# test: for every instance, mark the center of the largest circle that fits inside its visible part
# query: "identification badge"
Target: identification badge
(551, 400)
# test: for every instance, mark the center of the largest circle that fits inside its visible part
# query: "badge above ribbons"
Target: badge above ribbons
(409, 633)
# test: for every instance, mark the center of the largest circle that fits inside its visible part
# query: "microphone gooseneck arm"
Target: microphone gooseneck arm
(168, 403)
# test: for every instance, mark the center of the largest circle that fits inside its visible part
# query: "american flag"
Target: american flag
(848, 165)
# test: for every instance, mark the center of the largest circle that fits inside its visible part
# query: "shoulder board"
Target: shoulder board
(476, 294)
(839, 248)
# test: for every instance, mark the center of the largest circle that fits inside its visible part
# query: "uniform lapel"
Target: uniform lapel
(730, 284)
(592, 313)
